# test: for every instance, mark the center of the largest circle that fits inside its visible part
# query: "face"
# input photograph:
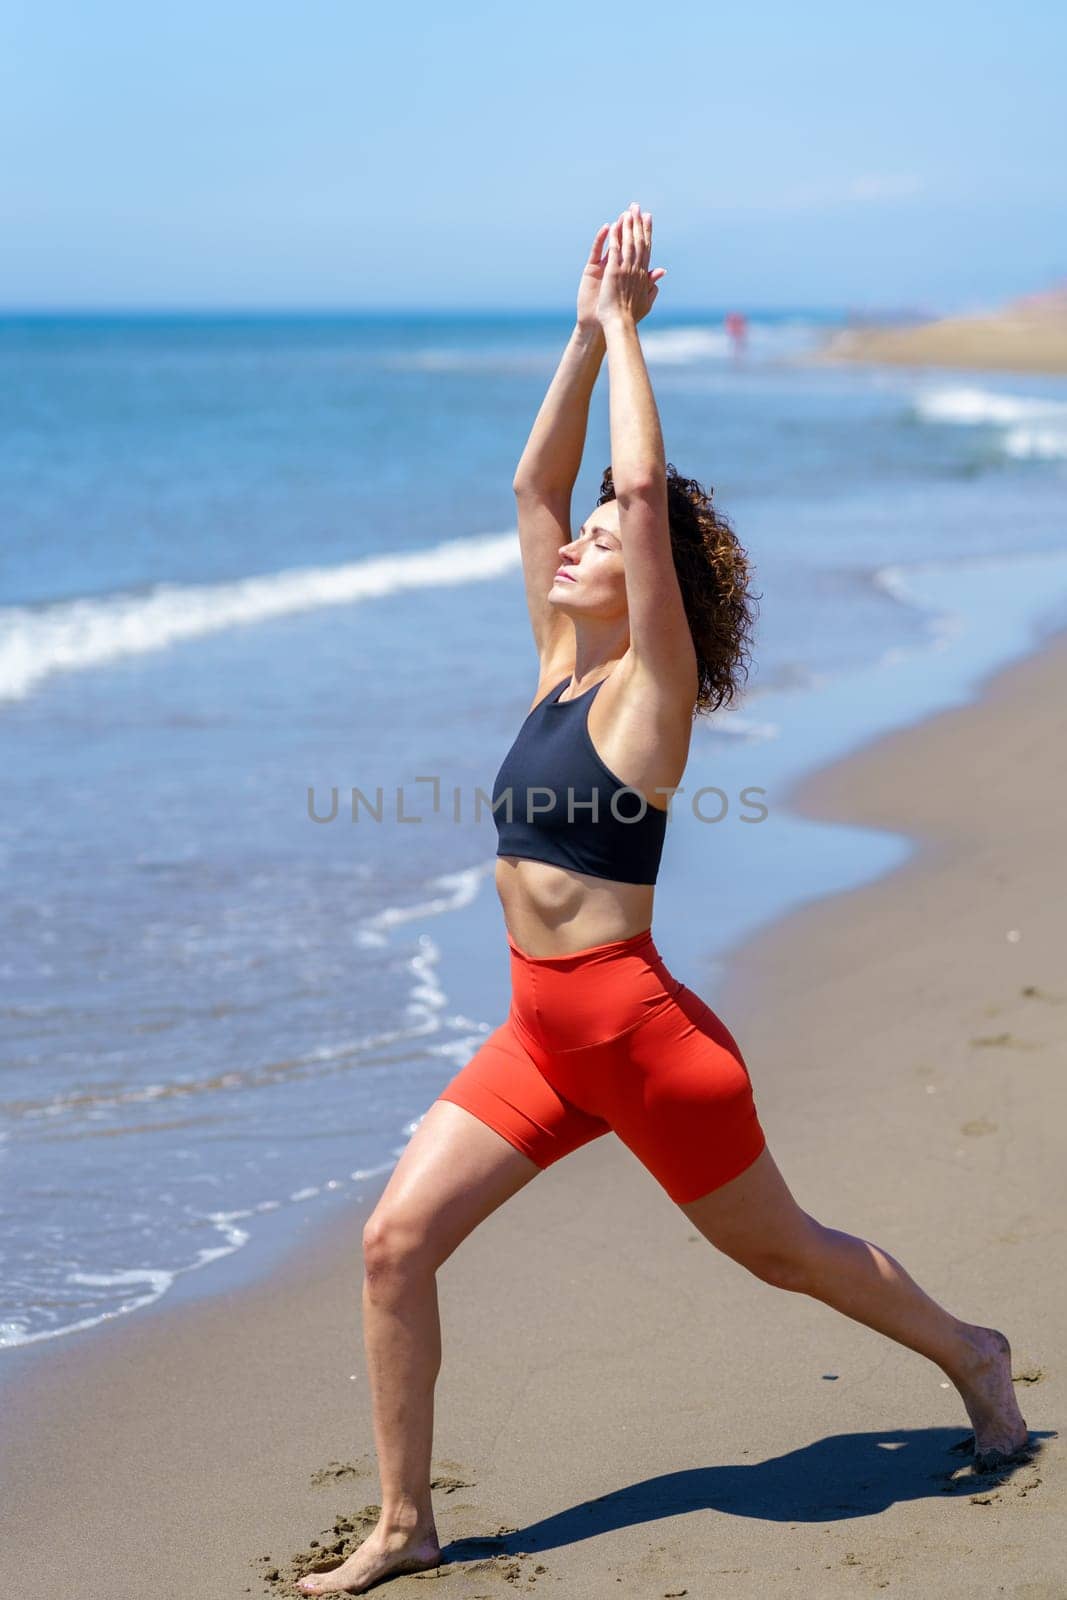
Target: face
(596, 578)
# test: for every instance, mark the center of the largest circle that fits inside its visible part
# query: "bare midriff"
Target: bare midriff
(551, 911)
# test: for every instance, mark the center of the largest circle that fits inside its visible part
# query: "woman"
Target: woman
(640, 622)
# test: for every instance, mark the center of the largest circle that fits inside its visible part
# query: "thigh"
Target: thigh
(493, 1128)
(683, 1101)
(453, 1172)
(755, 1220)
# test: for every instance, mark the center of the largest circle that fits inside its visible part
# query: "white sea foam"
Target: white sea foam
(690, 344)
(1039, 444)
(1030, 427)
(700, 344)
(972, 405)
(749, 730)
(76, 634)
(155, 1280)
(899, 582)
(910, 583)
(684, 346)
(460, 889)
(424, 1014)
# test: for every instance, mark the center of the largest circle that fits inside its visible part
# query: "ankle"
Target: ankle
(405, 1522)
(977, 1350)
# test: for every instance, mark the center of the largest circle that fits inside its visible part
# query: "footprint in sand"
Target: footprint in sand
(1032, 992)
(338, 1471)
(348, 1531)
(1005, 1041)
(324, 1553)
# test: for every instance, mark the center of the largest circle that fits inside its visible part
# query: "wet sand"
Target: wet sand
(622, 1410)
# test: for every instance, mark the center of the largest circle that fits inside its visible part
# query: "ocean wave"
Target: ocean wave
(899, 582)
(1031, 428)
(1037, 444)
(122, 1291)
(735, 725)
(75, 634)
(691, 344)
(698, 343)
(424, 1013)
(910, 585)
(684, 346)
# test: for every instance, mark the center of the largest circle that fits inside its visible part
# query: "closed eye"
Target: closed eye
(583, 535)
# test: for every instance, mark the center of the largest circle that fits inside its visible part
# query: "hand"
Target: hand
(628, 289)
(592, 277)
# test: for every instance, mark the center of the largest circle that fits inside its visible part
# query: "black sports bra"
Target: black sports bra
(554, 799)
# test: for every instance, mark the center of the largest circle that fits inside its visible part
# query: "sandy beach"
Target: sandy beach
(1027, 335)
(622, 1411)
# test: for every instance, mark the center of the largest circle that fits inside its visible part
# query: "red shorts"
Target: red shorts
(605, 1039)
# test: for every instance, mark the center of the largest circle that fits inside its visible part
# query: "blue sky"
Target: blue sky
(326, 154)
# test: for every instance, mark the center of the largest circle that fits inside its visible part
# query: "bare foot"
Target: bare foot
(985, 1384)
(379, 1555)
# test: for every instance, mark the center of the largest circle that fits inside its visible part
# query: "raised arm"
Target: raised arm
(660, 639)
(548, 469)
(545, 477)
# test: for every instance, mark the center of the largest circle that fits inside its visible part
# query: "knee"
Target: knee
(782, 1269)
(790, 1261)
(394, 1249)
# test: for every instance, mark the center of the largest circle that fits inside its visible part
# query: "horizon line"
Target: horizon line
(719, 309)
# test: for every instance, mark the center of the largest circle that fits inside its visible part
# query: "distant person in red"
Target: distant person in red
(737, 327)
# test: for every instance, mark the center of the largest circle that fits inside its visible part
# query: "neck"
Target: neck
(598, 647)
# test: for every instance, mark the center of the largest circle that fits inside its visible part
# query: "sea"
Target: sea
(263, 643)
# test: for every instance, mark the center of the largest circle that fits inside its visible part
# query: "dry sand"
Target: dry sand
(1029, 335)
(622, 1411)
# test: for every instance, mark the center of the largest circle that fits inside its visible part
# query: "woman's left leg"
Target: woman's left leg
(755, 1220)
(681, 1099)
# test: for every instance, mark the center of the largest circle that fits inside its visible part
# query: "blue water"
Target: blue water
(245, 559)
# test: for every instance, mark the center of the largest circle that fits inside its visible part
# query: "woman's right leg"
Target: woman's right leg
(494, 1126)
(453, 1172)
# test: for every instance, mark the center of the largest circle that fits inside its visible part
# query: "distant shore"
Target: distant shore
(1028, 335)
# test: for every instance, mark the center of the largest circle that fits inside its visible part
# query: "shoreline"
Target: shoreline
(860, 1014)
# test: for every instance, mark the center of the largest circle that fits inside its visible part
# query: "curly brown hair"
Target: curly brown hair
(714, 571)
